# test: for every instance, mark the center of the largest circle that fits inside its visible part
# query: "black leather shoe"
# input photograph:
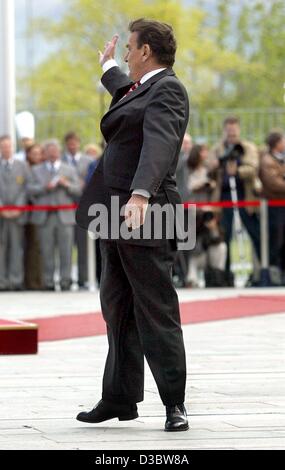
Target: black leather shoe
(176, 418)
(106, 410)
(49, 288)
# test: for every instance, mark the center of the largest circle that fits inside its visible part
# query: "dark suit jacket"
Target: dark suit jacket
(144, 133)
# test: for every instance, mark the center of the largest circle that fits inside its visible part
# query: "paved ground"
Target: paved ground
(49, 304)
(235, 386)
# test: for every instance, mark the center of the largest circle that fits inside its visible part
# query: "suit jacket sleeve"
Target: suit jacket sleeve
(35, 187)
(22, 197)
(250, 163)
(272, 176)
(163, 125)
(114, 79)
(74, 187)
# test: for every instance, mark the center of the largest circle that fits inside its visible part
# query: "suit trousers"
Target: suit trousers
(56, 234)
(276, 216)
(141, 310)
(80, 236)
(32, 258)
(11, 254)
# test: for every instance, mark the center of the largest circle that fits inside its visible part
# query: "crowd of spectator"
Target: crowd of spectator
(233, 169)
(32, 241)
(50, 175)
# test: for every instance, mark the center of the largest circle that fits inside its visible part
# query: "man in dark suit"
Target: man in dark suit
(144, 129)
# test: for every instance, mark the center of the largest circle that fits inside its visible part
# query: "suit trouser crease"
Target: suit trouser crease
(156, 312)
(80, 236)
(11, 254)
(54, 233)
(123, 379)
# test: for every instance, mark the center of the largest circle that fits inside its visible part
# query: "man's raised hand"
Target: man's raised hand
(109, 51)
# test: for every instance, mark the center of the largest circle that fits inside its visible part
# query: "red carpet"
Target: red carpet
(92, 324)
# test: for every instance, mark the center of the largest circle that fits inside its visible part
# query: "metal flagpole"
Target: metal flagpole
(7, 68)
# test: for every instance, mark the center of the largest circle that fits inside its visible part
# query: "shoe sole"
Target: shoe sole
(128, 417)
(120, 418)
(177, 429)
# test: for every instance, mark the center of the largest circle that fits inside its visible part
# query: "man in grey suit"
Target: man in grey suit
(144, 129)
(81, 162)
(14, 177)
(55, 183)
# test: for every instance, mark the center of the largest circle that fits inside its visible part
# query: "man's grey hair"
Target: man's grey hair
(51, 143)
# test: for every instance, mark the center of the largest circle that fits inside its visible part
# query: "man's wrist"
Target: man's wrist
(141, 192)
(109, 64)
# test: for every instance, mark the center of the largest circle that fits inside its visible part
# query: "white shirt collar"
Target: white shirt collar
(56, 165)
(112, 63)
(150, 74)
(10, 160)
(75, 157)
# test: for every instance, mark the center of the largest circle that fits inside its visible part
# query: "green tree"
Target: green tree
(261, 39)
(68, 80)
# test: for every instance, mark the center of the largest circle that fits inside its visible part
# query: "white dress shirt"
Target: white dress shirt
(5, 162)
(53, 165)
(71, 158)
(112, 63)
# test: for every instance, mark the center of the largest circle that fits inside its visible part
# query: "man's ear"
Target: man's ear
(146, 52)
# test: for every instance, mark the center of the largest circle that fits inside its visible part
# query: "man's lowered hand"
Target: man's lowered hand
(135, 211)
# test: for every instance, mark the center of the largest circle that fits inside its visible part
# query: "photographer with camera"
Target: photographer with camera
(234, 164)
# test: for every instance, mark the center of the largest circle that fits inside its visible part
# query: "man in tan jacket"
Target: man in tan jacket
(272, 174)
(244, 167)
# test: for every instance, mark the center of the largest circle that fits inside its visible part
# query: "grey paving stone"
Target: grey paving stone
(235, 388)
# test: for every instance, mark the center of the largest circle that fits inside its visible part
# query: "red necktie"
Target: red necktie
(133, 87)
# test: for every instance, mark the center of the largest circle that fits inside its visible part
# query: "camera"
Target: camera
(207, 216)
(232, 154)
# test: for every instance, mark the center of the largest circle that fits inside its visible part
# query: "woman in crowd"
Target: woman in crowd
(210, 252)
(200, 185)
